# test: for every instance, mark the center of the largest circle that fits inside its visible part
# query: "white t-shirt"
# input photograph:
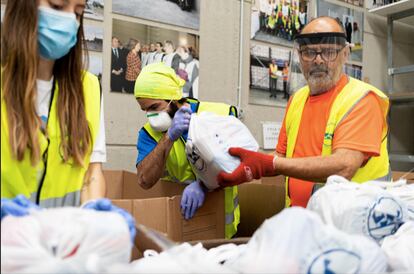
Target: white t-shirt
(269, 10)
(285, 10)
(151, 57)
(158, 57)
(44, 94)
(263, 5)
(302, 18)
(167, 59)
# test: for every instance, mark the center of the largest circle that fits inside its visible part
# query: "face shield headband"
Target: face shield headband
(337, 38)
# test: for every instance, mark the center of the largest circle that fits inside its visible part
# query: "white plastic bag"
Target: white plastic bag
(183, 258)
(400, 189)
(209, 138)
(363, 209)
(399, 248)
(297, 241)
(63, 240)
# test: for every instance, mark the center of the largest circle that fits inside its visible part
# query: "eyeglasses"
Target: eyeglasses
(327, 54)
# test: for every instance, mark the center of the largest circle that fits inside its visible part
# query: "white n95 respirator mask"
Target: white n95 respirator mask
(159, 121)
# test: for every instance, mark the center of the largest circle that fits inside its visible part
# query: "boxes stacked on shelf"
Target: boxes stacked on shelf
(280, 54)
(260, 77)
(260, 51)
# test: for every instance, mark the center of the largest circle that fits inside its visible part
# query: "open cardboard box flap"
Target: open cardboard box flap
(148, 238)
(121, 184)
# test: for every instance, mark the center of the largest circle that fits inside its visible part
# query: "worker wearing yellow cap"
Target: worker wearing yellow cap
(161, 141)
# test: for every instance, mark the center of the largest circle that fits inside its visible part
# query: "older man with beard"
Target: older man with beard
(334, 125)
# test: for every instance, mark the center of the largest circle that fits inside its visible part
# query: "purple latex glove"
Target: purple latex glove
(106, 205)
(192, 199)
(18, 206)
(180, 123)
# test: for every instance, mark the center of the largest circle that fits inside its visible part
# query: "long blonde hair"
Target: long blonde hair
(19, 60)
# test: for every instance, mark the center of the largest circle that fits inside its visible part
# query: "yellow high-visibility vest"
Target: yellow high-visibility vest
(273, 70)
(271, 22)
(62, 181)
(353, 92)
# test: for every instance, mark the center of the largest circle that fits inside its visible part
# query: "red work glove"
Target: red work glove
(254, 165)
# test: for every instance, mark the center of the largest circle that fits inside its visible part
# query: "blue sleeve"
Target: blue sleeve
(145, 145)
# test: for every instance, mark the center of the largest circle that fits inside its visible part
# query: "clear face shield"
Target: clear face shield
(314, 59)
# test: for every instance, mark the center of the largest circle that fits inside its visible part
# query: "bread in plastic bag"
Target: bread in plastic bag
(399, 248)
(297, 241)
(209, 138)
(363, 209)
(63, 240)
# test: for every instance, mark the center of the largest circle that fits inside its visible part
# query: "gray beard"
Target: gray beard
(319, 85)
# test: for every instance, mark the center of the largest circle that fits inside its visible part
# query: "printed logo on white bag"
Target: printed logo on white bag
(385, 217)
(335, 261)
(193, 156)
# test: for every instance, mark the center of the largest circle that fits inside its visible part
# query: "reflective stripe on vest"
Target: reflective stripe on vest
(62, 181)
(179, 169)
(230, 215)
(70, 199)
(232, 211)
(346, 100)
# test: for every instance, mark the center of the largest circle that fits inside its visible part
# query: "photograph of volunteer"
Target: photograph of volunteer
(183, 60)
(161, 141)
(334, 125)
(52, 125)
(279, 19)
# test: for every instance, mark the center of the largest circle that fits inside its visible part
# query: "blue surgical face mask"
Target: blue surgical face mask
(57, 32)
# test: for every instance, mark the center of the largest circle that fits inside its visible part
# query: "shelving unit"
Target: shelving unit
(401, 136)
(393, 12)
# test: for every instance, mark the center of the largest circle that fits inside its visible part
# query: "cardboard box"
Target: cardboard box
(409, 176)
(207, 244)
(159, 207)
(152, 239)
(276, 180)
(259, 200)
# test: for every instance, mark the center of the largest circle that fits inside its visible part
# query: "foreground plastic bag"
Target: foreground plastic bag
(399, 248)
(209, 138)
(297, 241)
(400, 189)
(183, 258)
(64, 240)
(363, 209)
